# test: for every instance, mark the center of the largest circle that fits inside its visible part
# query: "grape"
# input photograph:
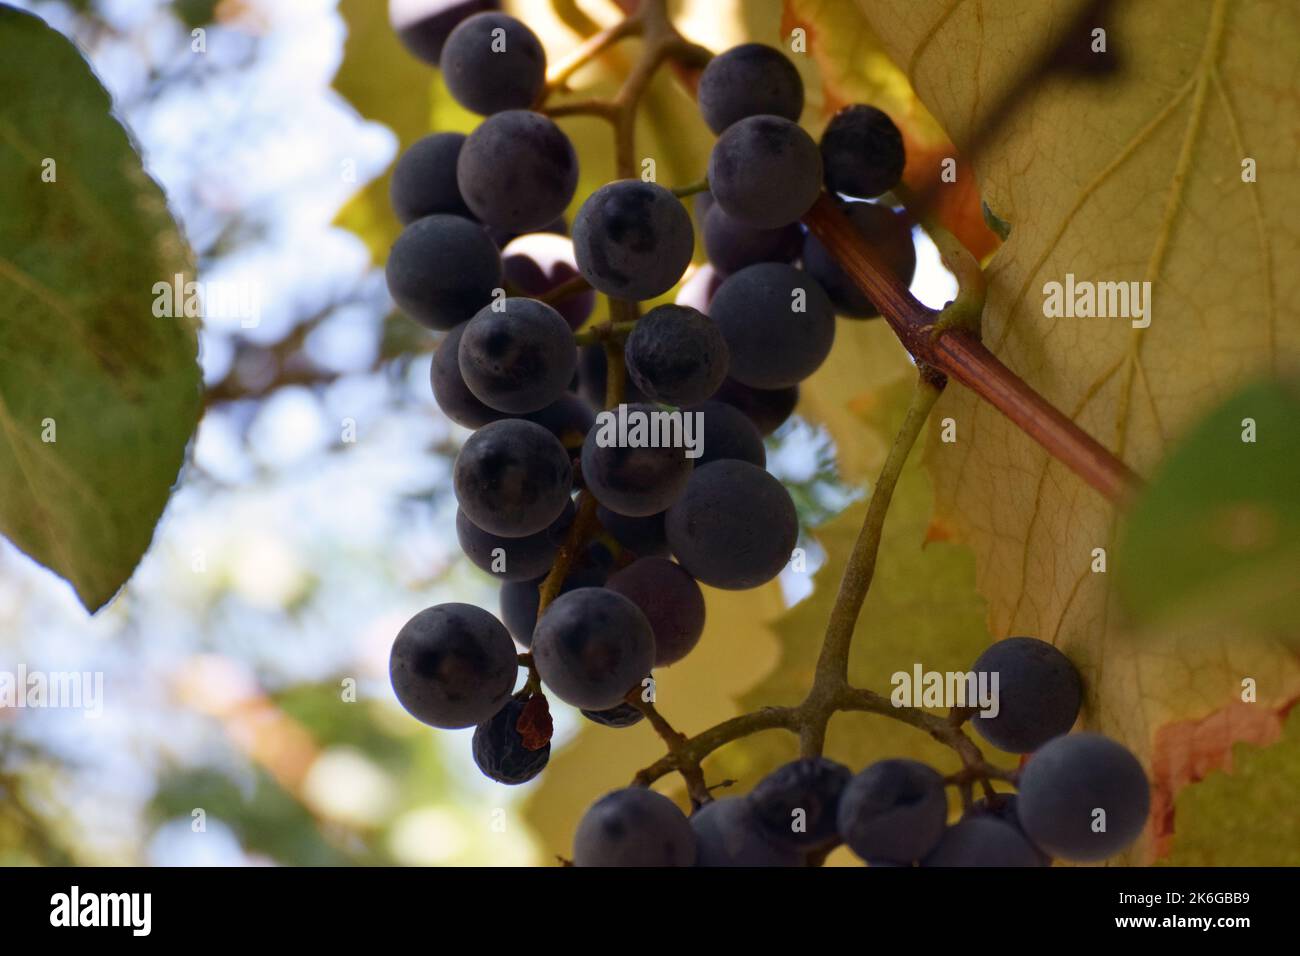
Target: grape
(512, 478)
(728, 433)
(644, 537)
(1038, 694)
(593, 370)
(748, 80)
(517, 355)
(517, 171)
(671, 601)
(634, 827)
(624, 715)
(1003, 807)
(591, 646)
(568, 418)
(727, 834)
(697, 292)
(453, 665)
(796, 804)
(676, 355)
(887, 232)
(767, 408)
(772, 344)
(449, 390)
(442, 269)
(502, 752)
(633, 240)
(513, 559)
(895, 811)
(634, 481)
(1064, 784)
(424, 179)
(765, 171)
(731, 245)
(538, 262)
(983, 841)
(493, 62)
(862, 152)
(424, 25)
(520, 599)
(713, 529)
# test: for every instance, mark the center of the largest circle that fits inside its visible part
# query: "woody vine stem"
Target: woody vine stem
(945, 344)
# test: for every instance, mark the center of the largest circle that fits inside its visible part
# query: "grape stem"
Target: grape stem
(603, 332)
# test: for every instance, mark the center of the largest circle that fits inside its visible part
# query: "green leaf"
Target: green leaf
(83, 359)
(1217, 532)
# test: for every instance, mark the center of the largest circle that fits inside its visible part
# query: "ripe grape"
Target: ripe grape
(796, 804)
(1066, 783)
(644, 537)
(591, 646)
(748, 80)
(517, 355)
(624, 715)
(778, 323)
(453, 665)
(1003, 807)
(713, 529)
(513, 559)
(728, 834)
(1038, 694)
(633, 240)
(634, 827)
(895, 811)
(512, 478)
(517, 171)
(633, 481)
(671, 601)
(731, 245)
(862, 152)
(442, 269)
(568, 418)
(502, 752)
(983, 841)
(887, 232)
(424, 179)
(424, 25)
(728, 433)
(449, 389)
(537, 262)
(520, 599)
(765, 171)
(493, 62)
(767, 408)
(676, 355)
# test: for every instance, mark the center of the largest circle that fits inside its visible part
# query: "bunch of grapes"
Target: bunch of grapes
(601, 547)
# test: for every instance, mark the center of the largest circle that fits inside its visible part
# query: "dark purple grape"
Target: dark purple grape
(731, 245)
(453, 665)
(442, 269)
(634, 827)
(1003, 807)
(983, 841)
(635, 481)
(513, 559)
(729, 433)
(593, 369)
(517, 171)
(765, 171)
(520, 599)
(449, 389)
(894, 811)
(728, 834)
(748, 80)
(796, 805)
(493, 62)
(714, 532)
(767, 408)
(502, 752)
(644, 537)
(624, 715)
(517, 355)
(424, 25)
(676, 355)
(633, 240)
(424, 179)
(512, 478)
(671, 601)
(591, 646)
(568, 418)
(862, 152)
(1038, 694)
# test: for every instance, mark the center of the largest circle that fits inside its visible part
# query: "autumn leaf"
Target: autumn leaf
(1136, 178)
